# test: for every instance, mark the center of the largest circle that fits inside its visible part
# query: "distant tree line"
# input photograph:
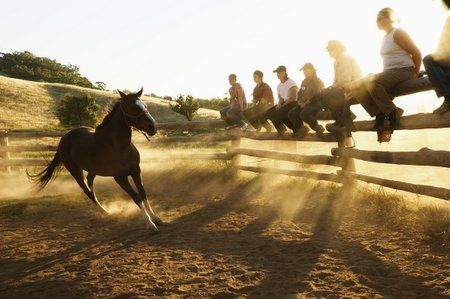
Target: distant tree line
(214, 103)
(25, 65)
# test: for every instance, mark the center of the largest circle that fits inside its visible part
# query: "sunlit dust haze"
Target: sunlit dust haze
(172, 47)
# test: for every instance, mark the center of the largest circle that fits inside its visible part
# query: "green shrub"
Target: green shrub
(186, 106)
(75, 111)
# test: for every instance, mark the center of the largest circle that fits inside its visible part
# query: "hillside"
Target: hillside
(31, 105)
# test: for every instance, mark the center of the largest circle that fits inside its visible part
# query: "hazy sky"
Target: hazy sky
(171, 47)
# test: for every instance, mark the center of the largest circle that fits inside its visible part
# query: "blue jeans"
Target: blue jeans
(437, 75)
(231, 116)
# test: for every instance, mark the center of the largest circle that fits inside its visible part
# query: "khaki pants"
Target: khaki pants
(256, 115)
(372, 91)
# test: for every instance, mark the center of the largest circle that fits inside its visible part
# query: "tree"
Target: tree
(76, 111)
(185, 105)
(100, 85)
(25, 65)
(214, 103)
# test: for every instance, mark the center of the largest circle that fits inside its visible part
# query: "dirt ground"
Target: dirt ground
(226, 236)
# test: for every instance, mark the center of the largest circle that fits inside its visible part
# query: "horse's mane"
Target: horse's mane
(107, 119)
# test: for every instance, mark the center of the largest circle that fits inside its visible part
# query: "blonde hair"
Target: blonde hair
(389, 13)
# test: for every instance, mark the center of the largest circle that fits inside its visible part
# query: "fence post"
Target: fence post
(347, 164)
(5, 156)
(236, 143)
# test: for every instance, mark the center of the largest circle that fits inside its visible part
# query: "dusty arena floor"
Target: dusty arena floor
(226, 236)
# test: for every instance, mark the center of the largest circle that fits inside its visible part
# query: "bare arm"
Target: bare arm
(241, 95)
(405, 42)
(292, 94)
(280, 102)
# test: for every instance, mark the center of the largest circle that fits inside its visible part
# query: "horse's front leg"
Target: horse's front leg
(137, 178)
(123, 182)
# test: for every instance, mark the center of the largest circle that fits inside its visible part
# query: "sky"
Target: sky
(173, 47)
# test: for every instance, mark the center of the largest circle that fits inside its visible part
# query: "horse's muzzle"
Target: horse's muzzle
(151, 131)
(152, 127)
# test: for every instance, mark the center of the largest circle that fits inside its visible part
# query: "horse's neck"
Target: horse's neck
(117, 132)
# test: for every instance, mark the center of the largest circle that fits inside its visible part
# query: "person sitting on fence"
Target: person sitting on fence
(232, 114)
(401, 62)
(287, 96)
(262, 101)
(310, 86)
(438, 64)
(334, 98)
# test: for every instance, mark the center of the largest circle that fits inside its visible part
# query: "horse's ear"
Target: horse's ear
(122, 95)
(139, 93)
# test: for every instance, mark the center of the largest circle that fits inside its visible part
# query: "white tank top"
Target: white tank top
(394, 57)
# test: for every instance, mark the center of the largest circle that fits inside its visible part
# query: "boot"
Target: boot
(319, 131)
(445, 107)
(281, 129)
(301, 132)
(394, 118)
(268, 127)
(379, 121)
(335, 127)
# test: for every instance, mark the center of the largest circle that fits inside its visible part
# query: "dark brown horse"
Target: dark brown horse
(107, 151)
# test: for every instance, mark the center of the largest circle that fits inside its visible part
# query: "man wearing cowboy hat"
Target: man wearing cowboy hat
(334, 98)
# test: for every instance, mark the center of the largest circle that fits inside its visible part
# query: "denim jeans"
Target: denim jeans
(307, 114)
(437, 75)
(231, 116)
(279, 117)
(294, 118)
(331, 98)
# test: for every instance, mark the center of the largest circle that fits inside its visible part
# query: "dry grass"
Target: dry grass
(31, 105)
(435, 222)
(393, 212)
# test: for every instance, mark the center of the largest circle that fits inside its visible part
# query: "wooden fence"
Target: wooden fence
(340, 157)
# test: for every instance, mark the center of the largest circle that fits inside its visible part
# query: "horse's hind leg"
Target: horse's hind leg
(125, 184)
(137, 179)
(92, 196)
(78, 175)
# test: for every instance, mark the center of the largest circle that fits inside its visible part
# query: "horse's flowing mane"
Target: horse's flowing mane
(108, 117)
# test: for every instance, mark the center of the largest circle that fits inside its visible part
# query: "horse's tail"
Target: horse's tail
(42, 178)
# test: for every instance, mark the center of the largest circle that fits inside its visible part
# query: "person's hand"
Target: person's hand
(346, 87)
(417, 73)
(302, 104)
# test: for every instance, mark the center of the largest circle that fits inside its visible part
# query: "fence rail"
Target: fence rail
(340, 157)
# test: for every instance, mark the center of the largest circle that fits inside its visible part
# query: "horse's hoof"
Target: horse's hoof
(158, 221)
(154, 231)
(103, 210)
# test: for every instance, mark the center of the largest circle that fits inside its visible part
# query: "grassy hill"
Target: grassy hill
(32, 105)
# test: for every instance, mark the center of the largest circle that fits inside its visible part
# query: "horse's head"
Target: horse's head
(135, 112)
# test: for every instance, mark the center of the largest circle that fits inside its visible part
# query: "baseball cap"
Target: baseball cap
(281, 68)
(308, 66)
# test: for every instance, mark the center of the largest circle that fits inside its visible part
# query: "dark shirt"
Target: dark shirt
(309, 88)
(263, 91)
